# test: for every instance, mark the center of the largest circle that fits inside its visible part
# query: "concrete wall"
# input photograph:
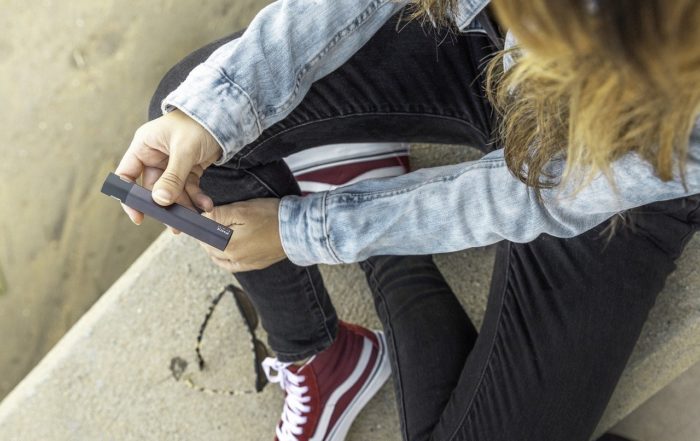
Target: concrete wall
(75, 80)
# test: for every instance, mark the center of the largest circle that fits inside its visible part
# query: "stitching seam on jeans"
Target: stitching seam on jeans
(252, 148)
(397, 374)
(487, 364)
(261, 182)
(318, 304)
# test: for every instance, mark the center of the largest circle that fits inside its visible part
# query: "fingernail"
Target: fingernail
(133, 220)
(162, 196)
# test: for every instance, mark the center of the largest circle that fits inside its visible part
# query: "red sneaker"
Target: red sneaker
(324, 395)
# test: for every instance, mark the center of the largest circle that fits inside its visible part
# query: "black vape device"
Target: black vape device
(175, 215)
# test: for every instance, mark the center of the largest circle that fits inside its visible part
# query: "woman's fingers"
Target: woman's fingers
(170, 153)
(150, 176)
(171, 183)
(220, 259)
(255, 243)
(226, 264)
(196, 194)
(130, 168)
(185, 201)
(135, 161)
(135, 216)
(193, 195)
(215, 252)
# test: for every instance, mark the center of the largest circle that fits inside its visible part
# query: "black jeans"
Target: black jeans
(563, 314)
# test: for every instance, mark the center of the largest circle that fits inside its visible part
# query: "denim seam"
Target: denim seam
(324, 318)
(346, 30)
(326, 234)
(476, 165)
(487, 364)
(223, 73)
(397, 374)
(261, 182)
(241, 154)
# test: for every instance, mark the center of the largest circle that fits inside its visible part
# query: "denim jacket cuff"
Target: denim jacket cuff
(303, 233)
(209, 97)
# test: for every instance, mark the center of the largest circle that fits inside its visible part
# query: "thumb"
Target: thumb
(169, 186)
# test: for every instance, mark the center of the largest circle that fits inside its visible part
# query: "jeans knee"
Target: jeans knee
(166, 85)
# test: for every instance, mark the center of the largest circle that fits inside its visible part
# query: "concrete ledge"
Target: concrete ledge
(121, 372)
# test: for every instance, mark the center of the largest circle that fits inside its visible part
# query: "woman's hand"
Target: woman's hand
(255, 242)
(170, 153)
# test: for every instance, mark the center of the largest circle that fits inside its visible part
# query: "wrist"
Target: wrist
(218, 105)
(302, 230)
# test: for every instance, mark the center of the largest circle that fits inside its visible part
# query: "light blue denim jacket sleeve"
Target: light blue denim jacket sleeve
(254, 81)
(450, 208)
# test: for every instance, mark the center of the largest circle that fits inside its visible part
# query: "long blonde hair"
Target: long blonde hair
(595, 79)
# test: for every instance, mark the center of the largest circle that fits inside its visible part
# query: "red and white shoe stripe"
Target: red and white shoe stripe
(331, 166)
(378, 375)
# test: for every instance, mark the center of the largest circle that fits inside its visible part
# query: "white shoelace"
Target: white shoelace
(295, 403)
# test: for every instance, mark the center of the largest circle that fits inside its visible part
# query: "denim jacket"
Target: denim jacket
(255, 81)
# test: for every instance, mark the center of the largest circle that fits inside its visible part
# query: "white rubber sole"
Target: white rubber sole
(377, 378)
